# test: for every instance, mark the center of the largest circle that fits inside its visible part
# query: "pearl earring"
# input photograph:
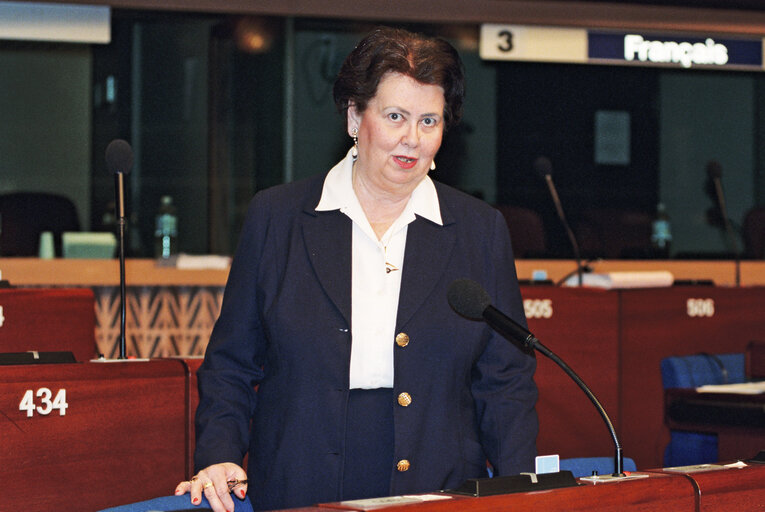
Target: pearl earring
(433, 165)
(355, 148)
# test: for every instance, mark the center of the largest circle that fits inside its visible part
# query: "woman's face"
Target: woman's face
(399, 133)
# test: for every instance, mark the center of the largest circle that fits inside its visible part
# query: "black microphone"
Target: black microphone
(119, 161)
(471, 301)
(543, 167)
(714, 173)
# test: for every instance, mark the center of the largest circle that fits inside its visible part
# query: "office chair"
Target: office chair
(689, 448)
(24, 215)
(527, 232)
(585, 466)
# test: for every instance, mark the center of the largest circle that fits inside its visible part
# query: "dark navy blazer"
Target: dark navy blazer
(285, 327)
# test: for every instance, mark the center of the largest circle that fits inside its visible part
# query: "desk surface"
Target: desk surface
(145, 272)
(736, 490)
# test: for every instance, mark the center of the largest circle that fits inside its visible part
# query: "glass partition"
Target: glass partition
(219, 106)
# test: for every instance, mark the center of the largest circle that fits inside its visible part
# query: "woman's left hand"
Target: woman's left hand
(216, 482)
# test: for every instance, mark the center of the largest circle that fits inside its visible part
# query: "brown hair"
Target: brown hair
(429, 60)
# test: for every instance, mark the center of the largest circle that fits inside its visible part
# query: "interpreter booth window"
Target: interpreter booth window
(219, 106)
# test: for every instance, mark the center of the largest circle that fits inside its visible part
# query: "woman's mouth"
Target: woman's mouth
(405, 162)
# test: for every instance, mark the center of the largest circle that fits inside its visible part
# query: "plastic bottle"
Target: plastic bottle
(661, 233)
(166, 232)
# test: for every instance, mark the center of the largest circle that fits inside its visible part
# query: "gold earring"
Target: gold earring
(355, 148)
(433, 165)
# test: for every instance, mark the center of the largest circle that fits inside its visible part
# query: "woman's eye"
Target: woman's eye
(429, 121)
(394, 116)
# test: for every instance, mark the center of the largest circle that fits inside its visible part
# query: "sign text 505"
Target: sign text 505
(700, 307)
(43, 402)
(538, 308)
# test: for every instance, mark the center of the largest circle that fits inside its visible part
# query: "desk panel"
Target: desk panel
(658, 323)
(48, 320)
(581, 326)
(737, 420)
(121, 438)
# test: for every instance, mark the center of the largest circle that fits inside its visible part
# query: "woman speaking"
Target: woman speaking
(336, 362)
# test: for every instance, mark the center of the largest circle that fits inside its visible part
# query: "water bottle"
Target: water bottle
(166, 232)
(661, 233)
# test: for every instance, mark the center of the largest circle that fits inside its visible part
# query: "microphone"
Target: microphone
(714, 173)
(543, 167)
(119, 161)
(468, 299)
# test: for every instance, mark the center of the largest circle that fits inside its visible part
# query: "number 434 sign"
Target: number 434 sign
(40, 401)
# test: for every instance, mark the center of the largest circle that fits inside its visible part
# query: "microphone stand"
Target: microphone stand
(529, 342)
(728, 229)
(569, 232)
(120, 188)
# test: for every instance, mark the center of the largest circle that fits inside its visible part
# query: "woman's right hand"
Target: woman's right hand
(213, 481)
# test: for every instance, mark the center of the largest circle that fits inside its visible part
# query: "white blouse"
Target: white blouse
(376, 273)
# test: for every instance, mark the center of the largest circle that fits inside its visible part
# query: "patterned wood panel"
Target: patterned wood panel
(160, 321)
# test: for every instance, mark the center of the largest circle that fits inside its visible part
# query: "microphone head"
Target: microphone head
(468, 298)
(714, 169)
(543, 166)
(119, 157)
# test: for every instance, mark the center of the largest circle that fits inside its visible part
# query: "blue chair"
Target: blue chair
(584, 466)
(685, 447)
(177, 503)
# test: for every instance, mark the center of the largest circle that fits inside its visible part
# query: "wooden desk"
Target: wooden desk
(582, 327)
(734, 490)
(739, 490)
(120, 438)
(738, 420)
(657, 323)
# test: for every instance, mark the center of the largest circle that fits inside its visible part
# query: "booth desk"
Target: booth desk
(85, 436)
(613, 339)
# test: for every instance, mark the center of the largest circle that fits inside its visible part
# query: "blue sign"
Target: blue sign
(674, 50)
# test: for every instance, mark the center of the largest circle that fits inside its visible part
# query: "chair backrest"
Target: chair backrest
(584, 466)
(699, 369)
(24, 215)
(527, 232)
(614, 233)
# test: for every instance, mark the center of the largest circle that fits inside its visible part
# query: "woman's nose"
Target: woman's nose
(411, 136)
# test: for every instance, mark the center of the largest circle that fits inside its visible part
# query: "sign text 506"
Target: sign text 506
(538, 308)
(43, 402)
(700, 307)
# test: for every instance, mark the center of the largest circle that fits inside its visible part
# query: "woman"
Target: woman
(368, 384)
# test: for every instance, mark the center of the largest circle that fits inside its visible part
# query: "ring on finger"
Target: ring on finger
(207, 484)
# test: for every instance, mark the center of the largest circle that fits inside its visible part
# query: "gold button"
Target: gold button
(402, 339)
(404, 399)
(403, 465)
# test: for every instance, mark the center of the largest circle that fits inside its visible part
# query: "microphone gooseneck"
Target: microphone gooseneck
(470, 300)
(543, 167)
(714, 173)
(119, 161)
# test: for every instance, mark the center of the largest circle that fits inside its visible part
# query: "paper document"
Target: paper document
(617, 280)
(744, 388)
